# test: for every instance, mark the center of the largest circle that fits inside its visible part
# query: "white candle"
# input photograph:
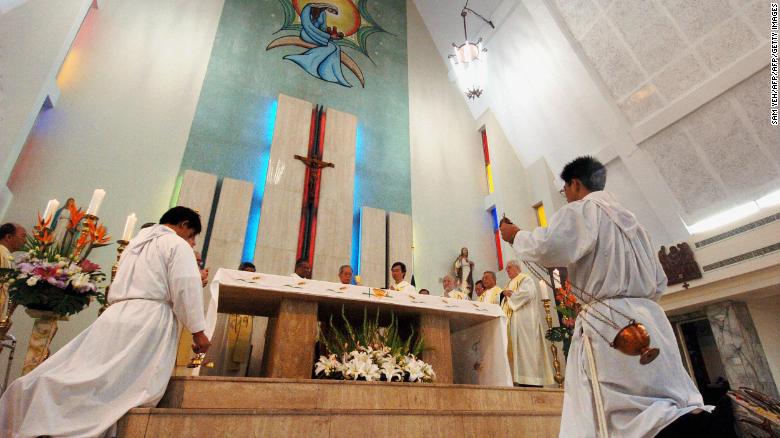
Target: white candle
(556, 279)
(545, 290)
(97, 199)
(127, 234)
(51, 208)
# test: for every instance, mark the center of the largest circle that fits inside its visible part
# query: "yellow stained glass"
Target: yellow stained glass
(489, 178)
(541, 218)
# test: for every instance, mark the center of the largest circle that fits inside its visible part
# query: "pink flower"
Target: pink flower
(88, 267)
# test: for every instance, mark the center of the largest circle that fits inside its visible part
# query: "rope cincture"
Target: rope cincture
(539, 272)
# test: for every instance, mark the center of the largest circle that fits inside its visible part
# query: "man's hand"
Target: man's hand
(507, 293)
(204, 276)
(508, 231)
(200, 342)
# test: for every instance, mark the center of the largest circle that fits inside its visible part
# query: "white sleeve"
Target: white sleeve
(186, 288)
(571, 234)
(524, 294)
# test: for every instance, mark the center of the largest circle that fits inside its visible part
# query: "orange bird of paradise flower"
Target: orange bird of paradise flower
(97, 234)
(44, 237)
(76, 214)
(42, 223)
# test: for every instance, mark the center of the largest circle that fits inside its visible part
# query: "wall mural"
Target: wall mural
(325, 29)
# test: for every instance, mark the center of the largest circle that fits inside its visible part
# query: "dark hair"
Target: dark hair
(342, 267)
(245, 265)
(427, 292)
(180, 214)
(300, 262)
(591, 173)
(403, 266)
(8, 229)
(147, 225)
(479, 282)
(492, 274)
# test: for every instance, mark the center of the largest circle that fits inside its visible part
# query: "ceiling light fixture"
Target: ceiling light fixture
(469, 59)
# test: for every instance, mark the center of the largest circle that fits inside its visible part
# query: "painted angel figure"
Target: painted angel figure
(324, 60)
(463, 268)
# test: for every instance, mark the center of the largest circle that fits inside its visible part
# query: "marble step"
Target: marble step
(260, 407)
(267, 393)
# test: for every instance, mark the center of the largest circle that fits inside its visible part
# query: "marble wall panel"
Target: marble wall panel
(197, 192)
(373, 246)
(740, 347)
(400, 243)
(333, 244)
(277, 235)
(227, 234)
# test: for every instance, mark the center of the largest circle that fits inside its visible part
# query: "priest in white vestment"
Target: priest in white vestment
(450, 291)
(609, 255)
(398, 272)
(492, 292)
(124, 359)
(529, 355)
(12, 238)
(302, 270)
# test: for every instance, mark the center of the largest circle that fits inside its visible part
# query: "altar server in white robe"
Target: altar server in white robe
(124, 359)
(528, 351)
(609, 254)
(398, 272)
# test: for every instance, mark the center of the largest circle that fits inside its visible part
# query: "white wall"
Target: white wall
(34, 39)
(448, 176)
(129, 89)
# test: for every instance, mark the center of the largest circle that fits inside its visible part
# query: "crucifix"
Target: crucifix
(307, 232)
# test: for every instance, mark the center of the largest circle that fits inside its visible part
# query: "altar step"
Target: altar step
(259, 407)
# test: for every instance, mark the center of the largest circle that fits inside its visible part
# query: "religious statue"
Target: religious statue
(463, 269)
(61, 219)
(679, 264)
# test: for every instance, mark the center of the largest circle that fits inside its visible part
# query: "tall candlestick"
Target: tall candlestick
(556, 279)
(127, 234)
(51, 208)
(97, 199)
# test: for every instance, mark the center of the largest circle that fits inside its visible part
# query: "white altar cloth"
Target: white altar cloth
(479, 341)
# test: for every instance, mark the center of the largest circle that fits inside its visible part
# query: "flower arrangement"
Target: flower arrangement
(568, 307)
(371, 353)
(54, 274)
